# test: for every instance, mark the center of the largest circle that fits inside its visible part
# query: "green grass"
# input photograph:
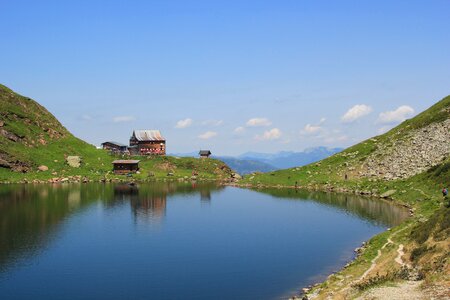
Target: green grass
(42, 140)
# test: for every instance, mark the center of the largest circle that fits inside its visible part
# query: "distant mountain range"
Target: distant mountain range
(250, 162)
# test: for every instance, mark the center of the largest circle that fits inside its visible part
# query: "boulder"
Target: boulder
(388, 194)
(43, 168)
(74, 161)
(236, 176)
(5, 164)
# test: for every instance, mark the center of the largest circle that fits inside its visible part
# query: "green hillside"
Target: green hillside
(30, 137)
(408, 165)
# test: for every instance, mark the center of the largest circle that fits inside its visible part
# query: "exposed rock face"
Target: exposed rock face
(74, 161)
(416, 152)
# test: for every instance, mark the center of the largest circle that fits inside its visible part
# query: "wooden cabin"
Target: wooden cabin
(147, 142)
(114, 147)
(204, 153)
(125, 166)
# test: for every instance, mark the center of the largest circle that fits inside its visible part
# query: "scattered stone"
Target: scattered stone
(43, 168)
(388, 194)
(5, 164)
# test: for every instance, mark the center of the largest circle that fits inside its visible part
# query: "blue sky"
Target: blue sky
(231, 76)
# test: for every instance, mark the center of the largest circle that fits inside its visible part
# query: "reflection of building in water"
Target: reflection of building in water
(147, 204)
(205, 195)
(150, 208)
(124, 192)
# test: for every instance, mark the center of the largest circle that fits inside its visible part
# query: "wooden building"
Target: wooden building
(147, 142)
(125, 166)
(115, 147)
(204, 153)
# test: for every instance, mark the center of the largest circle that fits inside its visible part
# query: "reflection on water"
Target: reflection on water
(234, 239)
(372, 209)
(30, 215)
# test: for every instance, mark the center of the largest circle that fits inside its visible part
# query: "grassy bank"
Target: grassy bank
(97, 165)
(424, 236)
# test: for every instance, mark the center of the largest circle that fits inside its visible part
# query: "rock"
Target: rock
(10, 136)
(65, 179)
(236, 176)
(74, 161)
(5, 164)
(43, 168)
(2, 123)
(388, 194)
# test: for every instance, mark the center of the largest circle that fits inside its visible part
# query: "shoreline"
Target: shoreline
(304, 291)
(310, 291)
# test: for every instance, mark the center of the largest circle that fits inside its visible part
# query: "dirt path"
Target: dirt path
(374, 261)
(404, 291)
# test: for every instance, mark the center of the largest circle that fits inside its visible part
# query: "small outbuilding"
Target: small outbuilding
(114, 147)
(125, 166)
(204, 153)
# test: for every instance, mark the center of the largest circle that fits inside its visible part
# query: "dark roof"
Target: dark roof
(126, 161)
(204, 152)
(115, 143)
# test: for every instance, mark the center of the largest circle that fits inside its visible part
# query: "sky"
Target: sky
(229, 76)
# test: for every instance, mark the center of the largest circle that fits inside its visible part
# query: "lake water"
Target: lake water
(176, 241)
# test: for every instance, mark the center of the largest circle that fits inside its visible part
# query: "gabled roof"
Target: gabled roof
(204, 152)
(115, 143)
(148, 135)
(126, 161)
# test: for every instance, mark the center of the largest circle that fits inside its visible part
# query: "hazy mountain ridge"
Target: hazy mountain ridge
(251, 162)
(290, 159)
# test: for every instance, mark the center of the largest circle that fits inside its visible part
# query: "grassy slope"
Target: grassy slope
(425, 236)
(44, 141)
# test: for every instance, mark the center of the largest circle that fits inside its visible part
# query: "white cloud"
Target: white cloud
(356, 112)
(212, 122)
(123, 119)
(272, 134)
(311, 129)
(239, 129)
(396, 116)
(207, 135)
(184, 123)
(258, 122)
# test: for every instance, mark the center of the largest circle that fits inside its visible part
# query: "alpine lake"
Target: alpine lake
(177, 240)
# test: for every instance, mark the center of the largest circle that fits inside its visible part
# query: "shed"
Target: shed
(125, 166)
(204, 153)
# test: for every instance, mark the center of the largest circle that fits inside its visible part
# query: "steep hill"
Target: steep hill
(409, 149)
(408, 165)
(30, 137)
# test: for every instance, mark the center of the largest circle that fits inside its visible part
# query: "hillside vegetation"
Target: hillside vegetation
(408, 165)
(30, 137)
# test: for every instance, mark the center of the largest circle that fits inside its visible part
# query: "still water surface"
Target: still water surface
(176, 241)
